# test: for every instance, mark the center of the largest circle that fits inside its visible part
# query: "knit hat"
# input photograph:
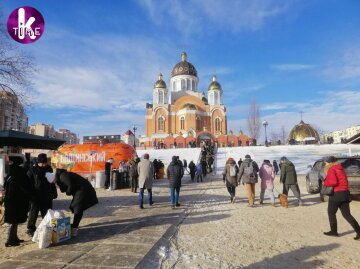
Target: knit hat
(330, 159)
(146, 156)
(247, 156)
(283, 158)
(42, 158)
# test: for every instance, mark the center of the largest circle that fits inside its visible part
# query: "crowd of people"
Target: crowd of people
(31, 190)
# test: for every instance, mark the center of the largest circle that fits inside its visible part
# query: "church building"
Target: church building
(182, 115)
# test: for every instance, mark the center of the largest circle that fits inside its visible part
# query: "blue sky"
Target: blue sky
(98, 60)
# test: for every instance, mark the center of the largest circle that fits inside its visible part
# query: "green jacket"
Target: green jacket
(288, 174)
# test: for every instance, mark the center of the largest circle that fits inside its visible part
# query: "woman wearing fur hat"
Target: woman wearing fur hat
(230, 173)
(337, 178)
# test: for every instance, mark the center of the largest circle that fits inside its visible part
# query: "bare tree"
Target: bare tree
(15, 68)
(254, 123)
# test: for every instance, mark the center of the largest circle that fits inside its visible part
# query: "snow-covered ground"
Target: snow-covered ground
(300, 155)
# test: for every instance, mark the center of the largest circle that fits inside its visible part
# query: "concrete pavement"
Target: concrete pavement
(128, 238)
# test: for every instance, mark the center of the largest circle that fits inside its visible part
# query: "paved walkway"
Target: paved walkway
(129, 238)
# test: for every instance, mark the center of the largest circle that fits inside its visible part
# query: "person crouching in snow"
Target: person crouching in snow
(84, 195)
(267, 175)
(230, 173)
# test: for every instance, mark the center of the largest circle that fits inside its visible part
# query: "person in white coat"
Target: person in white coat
(146, 175)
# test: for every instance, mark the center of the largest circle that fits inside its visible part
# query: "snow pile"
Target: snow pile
(301, 155)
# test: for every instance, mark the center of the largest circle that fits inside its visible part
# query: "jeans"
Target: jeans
(270, 193)
(199, 176)
(141, 196)
(174, 195)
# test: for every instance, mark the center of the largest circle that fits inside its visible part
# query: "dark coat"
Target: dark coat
(18, 192)
(45, 192)
(84, 195)
(192, 168)
(288, 173)
(133, 170)
(175, 172)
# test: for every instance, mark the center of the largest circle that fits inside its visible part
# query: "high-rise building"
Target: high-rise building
(12, 113)
(68, 136)
(48, 130)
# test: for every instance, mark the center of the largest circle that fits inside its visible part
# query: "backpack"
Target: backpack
(232, 170)
(249, 170)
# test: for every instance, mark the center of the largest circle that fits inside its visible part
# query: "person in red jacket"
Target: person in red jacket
(337, 178)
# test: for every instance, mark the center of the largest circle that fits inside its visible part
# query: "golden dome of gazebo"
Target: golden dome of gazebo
(303, 132)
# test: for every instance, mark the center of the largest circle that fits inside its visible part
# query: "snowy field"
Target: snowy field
(300, 155)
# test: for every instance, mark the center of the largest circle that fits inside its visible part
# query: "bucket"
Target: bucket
(100, 179)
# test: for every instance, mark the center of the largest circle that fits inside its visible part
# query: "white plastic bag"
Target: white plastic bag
(45, 222)
(45, 234)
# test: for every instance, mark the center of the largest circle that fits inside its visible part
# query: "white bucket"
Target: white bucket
(100, 179)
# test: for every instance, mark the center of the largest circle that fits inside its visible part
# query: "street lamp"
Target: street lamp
(265, 123)
(134, 129)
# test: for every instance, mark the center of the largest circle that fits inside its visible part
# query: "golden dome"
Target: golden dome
(303, 132)
(160, 83)
(214, 85)
(184, 67)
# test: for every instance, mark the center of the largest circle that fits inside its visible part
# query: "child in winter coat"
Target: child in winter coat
(267, 176)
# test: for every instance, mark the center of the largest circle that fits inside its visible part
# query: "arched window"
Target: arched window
(188, 84)
(161, 97)
(211, 98)
(161, 125)
(216, 101)
(198, 123)
(183, 86)
(174, 86)
(155, 97)
(217, 125)
(182, 123)
(193, 85)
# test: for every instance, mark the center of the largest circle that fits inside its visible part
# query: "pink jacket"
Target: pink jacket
(267, 176)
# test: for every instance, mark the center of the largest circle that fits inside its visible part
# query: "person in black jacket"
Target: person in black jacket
(175, 173)
(45, 192)
(84, 195)
(18, 192)
(192, 169)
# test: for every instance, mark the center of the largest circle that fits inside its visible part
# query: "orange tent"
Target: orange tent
(91, 157)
